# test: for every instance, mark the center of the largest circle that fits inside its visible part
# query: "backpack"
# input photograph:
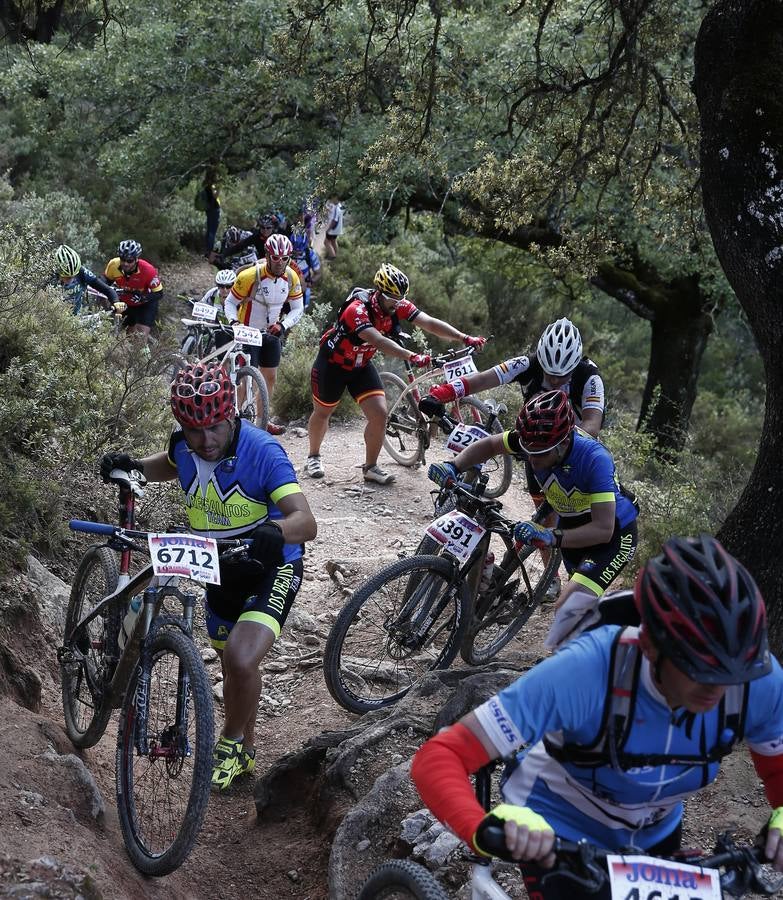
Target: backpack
(338, 331)
(608, 747)
(200, 201)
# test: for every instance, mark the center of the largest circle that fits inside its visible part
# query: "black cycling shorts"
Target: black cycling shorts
(329, 381)
(267, 356)
(141, 315)
(597, 567)
(249, 594)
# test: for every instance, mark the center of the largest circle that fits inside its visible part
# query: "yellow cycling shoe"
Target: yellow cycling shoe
(229, 761)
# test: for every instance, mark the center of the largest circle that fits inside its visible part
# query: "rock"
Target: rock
(86, 788)
(302, 621)
(275, 666)
(440, 849)
(217, 692)
(415, 824)
(51, 593)
(209, 655)
(363, 845)
(298, 432)
(293, 874)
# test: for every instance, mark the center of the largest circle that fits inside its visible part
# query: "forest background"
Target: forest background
(520, 162)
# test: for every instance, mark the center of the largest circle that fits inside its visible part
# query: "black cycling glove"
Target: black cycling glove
(122, 461)
(268, 544)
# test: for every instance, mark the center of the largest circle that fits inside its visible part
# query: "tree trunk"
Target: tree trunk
(739, 57)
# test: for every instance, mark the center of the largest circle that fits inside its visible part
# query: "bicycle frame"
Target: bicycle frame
(436, 371)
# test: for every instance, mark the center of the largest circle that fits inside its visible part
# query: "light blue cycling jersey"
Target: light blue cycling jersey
(564, 697)
(229, 498)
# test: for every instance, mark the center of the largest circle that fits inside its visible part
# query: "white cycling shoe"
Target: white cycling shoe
(314, 467)
(376, 473)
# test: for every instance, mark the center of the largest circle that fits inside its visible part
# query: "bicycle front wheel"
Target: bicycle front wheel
(472, 411)
(401, 878)
(163, 782)
(252, 396)
(406, 621)
(89, 655)
(404, 438)
(517, 588)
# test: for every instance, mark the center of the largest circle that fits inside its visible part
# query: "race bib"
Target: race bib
(458, 533)
(458, 368)
(645, 878)
(185, 554)
(246, 335)
(463, 436)
(205, 311)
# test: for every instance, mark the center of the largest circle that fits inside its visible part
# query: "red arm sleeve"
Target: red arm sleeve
(440, 772)
(770, 771)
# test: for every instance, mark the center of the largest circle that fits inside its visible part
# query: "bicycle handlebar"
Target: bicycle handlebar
(91, 527)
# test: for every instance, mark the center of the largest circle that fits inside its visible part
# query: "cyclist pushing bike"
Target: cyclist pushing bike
(75, 278)
(238, 482)
(623, 724)
(367, 322)
(596, 521)
(139, 285)
(259, 297)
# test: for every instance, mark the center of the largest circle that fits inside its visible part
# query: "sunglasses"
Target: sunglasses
(391, 299)
(283, 259)
(128, 259)
(205, 389)
(542, 452)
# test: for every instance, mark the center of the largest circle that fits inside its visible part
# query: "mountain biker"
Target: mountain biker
(74, 278)
(367, 322)
(140, 287)
(266, 225)
(596, 521)
(238, 482)
(701, 648)
(257, 298)
(216, 296)
(227, 257)
(307, 263)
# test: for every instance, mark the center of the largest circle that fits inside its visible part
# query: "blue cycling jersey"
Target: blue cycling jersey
(75, 288)
(587, 475)
(230, 497)
(564, 697)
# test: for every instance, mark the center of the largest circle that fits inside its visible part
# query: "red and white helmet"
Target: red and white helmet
(278, 246)
(202, 395)
(544, 421)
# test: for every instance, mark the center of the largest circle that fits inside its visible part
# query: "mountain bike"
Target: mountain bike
(157, 679)
(199, 338)
(116, 310)
(252, 394)
(473, 597)
(738, 868)
(409, 433)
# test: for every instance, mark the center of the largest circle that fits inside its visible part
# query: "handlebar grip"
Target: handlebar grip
(91, 527)
(493, 840)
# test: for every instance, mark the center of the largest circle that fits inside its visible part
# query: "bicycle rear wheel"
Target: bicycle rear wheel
(404, 879)
(499, 468)
(252, 388)
(407, 620)
(501, 611)
(162, 793)
(88, 656)
(403, 440)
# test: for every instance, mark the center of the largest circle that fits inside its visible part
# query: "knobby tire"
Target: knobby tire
(499, 469)
(401, 878)
(389, 611)
(160, 812)
(90, 655)
(255, 407)
(403, 440)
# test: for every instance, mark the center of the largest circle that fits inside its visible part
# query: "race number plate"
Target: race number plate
(185, 554)
(205, 311)
(463, 436)
(458, 368)
(246, 335)
(646, 878)
(458, 533)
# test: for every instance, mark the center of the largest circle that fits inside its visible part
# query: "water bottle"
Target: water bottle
(129, 622)
(487, 571)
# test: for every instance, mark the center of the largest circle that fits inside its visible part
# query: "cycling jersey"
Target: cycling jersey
(242, 254)
(587, 475)
(138, 287)
(257, 297)
(75, 288)
(358, 313)
(585, 389)
(307, 264)
(230, 497)
(213, 298)
(564, 698)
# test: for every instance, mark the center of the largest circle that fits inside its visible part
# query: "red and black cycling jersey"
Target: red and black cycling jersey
(358, 313)
(138, 287)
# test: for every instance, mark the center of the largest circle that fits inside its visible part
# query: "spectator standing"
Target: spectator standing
(208, 200)
(334, 227)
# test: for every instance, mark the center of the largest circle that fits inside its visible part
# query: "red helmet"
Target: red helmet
(278, 246)
(545, 421)
(704, 612)
(202, 395)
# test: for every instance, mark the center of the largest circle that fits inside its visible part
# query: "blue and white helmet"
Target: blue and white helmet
(560, 348)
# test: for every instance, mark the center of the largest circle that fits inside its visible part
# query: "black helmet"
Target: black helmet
(129, 249)
(704, 612)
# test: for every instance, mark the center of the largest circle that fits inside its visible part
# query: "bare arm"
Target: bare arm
(480, 452)
(298, 524)
(591, 421)
(438, 327)
(597, 531)
(384, 344)
(158, 468)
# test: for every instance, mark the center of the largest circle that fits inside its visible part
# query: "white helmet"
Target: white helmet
(225, 278)
(560, 348)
